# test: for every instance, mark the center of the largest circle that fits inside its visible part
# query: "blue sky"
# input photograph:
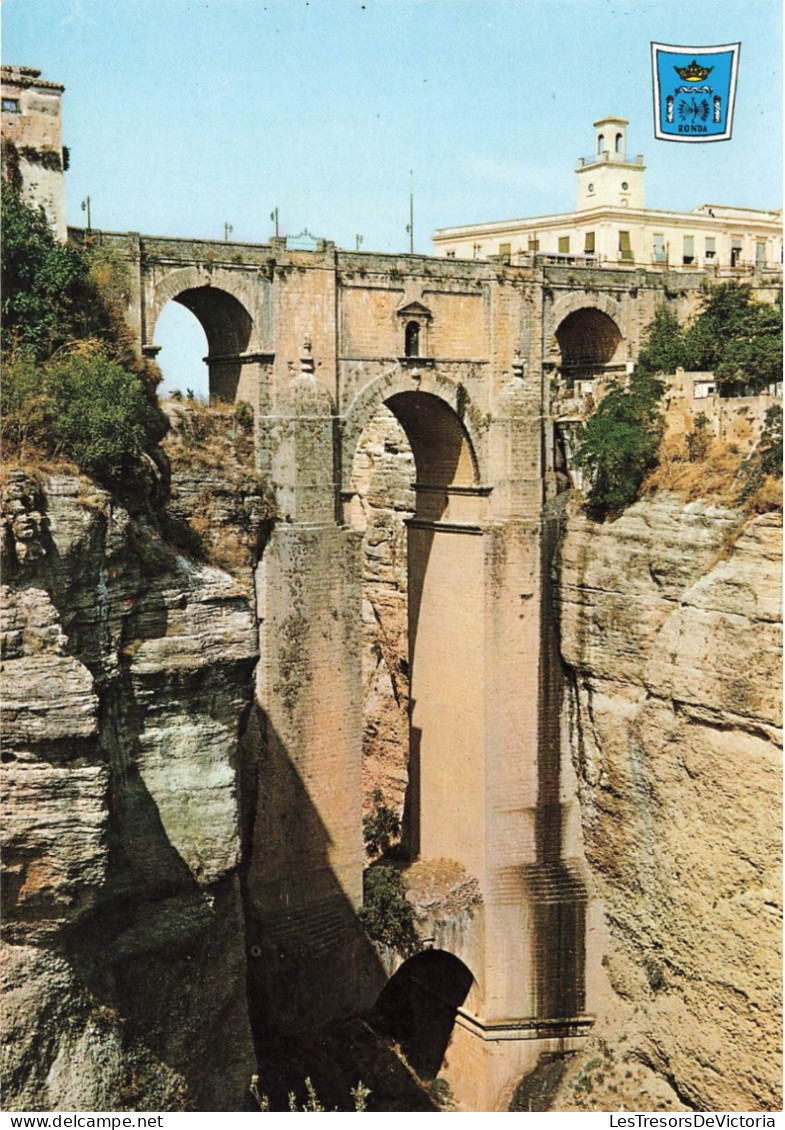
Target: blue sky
(184, 115)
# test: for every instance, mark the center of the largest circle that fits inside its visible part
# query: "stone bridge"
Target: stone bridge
(467, 355)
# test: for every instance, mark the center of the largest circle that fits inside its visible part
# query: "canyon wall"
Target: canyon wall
(670, 630)
(128, 677)
(127, 669)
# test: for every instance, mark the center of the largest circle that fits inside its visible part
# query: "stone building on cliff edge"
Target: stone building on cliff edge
(611, 226)
(33, 155)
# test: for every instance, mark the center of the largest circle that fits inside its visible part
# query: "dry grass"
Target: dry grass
(207, 436)
(715, 477)
(766, 498)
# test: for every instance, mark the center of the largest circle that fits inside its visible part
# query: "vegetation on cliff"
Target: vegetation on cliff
(623, 448)
(387, 915)
(619, 442)
(734, 337)
(73, 386)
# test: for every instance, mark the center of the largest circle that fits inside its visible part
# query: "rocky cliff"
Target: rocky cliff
(127, 670)
(670, 629)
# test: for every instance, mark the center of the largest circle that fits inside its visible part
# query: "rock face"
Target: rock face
(126, 670)
(382, 474)
(670, 622)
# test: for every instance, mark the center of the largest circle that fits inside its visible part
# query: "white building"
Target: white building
(611, 226)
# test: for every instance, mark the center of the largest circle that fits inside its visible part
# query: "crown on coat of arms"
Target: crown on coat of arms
(694, 72)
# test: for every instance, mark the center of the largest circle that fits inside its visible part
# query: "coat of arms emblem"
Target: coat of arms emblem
(694, 91)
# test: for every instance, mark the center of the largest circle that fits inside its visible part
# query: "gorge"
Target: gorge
(131, 974)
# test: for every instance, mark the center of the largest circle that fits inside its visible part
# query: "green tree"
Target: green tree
(619, 443)
(386, 914)
(662, 350)
(73, 385)
(382, 827)
(48, 294)
(736, 338)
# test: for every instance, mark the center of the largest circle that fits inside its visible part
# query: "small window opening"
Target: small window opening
(412, 347)
(11, 105)
(619, 142)
(600, 143)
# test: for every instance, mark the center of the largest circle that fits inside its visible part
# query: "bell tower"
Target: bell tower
(607, 178)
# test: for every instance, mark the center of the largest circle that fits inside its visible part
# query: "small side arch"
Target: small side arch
(222, 310)
(419, 1005)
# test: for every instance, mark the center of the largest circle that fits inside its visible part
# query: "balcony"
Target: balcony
(607, 157)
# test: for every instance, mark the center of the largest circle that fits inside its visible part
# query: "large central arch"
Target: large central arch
(445, 618)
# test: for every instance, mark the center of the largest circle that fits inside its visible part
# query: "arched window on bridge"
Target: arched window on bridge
(414, 321)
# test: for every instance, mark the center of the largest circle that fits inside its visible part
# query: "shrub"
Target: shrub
(759, 471)
(699, 439)
(386, 914)
(618, 444)
(243, 416)
(381, 828)
(73, 384)
(312, 1104)
(83, 406)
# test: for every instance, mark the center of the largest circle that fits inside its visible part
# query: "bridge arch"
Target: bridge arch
(584, 332)
(419, 1005)
(221, 307)
(437, 415)
(445, 601)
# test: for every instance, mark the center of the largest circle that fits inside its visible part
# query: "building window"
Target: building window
(625, 247)
(624, 186)
(588, 243)
(659, 253)
(688, 254)
(412, 346)
(505, 250)
(760, 253)
(591, 188)
(600, 143)
(564, 245)
(735, 250)
(711, 249)
(11, 106)
(619, 142)
(534, 245)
